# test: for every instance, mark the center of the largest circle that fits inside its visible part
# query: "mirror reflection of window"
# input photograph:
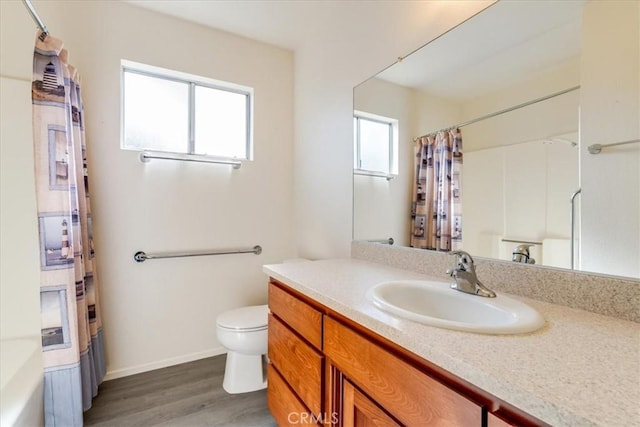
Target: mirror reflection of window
(375, 145)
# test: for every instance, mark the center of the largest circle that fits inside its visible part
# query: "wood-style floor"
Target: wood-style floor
(190, 394)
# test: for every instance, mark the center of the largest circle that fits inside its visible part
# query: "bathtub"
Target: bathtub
(21, 382)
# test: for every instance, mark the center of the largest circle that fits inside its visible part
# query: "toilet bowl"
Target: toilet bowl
(243, 332)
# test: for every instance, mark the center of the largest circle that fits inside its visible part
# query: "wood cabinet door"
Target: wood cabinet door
(410, 395)
(360, 411)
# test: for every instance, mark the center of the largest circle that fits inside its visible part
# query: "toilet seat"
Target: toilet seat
(246, 319)
(259, 328)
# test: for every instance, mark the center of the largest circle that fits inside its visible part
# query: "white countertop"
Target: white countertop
(580, 369)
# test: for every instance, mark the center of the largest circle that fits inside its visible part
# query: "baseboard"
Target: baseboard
(125, 372)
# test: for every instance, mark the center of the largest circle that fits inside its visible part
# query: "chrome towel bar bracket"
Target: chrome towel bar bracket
(142, 256)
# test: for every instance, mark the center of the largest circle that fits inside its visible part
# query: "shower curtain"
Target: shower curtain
(436, 209)
(72, 340)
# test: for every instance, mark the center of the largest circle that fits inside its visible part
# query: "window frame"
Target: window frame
(392, 145)
(192, 81)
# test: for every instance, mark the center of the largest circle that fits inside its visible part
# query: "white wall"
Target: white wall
(610, 112)
(163, 311)
(20, 265)
(483, 191)
(434, 113)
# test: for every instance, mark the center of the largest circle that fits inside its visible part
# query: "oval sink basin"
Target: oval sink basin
(436, 304)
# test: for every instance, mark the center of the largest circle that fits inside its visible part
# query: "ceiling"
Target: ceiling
(491, 56)
(294, 23)
(283, 23)
(509, 43)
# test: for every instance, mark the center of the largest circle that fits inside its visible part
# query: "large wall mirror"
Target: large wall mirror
(541, 82)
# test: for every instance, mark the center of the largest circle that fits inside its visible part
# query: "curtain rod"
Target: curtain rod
(506, 110)
(597, 148)
(35, 16)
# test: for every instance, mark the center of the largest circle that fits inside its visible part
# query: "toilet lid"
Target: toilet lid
(245, 318)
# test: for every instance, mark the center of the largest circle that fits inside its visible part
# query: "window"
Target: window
(375, 145)
(169, 111)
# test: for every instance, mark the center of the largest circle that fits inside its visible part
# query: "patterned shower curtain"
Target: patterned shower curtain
(72, 340)
(436, 209)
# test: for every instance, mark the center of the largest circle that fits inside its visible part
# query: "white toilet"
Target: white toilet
(243, 332)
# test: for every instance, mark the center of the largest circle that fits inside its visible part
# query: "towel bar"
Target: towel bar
(142, 256)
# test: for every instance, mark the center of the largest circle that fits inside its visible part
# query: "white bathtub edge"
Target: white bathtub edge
(21, 395)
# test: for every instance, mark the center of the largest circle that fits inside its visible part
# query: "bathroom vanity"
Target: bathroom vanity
(337, 359)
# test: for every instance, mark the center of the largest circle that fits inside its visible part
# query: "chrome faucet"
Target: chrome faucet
(521, 254)
(464, 274)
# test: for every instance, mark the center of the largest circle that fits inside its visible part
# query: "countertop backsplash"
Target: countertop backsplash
(607, 295)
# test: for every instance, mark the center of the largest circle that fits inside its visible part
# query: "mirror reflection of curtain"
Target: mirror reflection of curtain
(436, 209)
(72, 340)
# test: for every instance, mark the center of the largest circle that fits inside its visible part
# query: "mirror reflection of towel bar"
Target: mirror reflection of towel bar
(388, 241)
(527, 242)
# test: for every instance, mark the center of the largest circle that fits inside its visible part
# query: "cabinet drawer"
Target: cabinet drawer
(302, 318)
(298, 363)
(284, 405)
(408, 394)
